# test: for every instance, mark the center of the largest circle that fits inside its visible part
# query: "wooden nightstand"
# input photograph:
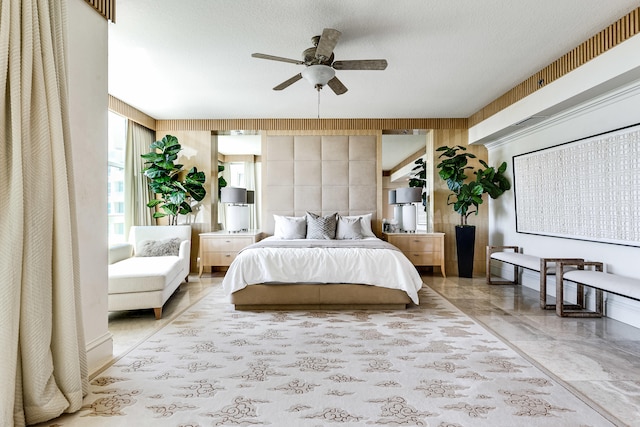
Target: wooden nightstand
(422, 249)
(220, 248)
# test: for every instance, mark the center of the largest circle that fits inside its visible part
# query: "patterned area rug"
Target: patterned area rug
(427, 366)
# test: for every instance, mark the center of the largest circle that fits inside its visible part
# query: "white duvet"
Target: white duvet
(380, 267)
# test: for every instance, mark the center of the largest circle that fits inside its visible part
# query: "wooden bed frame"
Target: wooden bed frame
(312, 296)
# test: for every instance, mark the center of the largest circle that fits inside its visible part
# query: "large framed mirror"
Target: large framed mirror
(400, 150)
(239, 166)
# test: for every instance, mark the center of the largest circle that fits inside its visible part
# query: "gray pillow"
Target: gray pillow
(321, 227)
(348, 228)
(166, 247)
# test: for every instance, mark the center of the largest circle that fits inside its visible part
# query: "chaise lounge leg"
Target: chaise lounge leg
(158, 312)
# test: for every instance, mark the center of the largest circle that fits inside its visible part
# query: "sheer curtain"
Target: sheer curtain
(43, 370)
(136, 189)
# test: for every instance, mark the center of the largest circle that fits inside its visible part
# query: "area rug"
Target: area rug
(426, 366)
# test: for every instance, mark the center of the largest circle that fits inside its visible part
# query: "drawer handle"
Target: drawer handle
(227, 256)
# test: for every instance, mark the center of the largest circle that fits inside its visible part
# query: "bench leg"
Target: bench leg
(563, 310)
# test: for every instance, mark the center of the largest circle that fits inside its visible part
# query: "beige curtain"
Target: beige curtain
(43, 369)
(136, 188)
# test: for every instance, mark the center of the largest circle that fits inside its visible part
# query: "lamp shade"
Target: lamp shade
(392, 197)
(409, 195)
(233, 195)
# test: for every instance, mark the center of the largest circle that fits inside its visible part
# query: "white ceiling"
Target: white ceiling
(447, 58)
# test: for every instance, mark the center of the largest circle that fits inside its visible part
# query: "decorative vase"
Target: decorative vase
(465, 242)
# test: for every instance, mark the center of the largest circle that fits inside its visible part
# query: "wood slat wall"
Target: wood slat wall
(106, 8)
(133, 114)
(621, 30)
(310, 124)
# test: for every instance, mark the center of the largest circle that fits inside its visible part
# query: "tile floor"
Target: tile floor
(598, 358)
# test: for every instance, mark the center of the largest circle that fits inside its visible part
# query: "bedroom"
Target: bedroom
(90, 127)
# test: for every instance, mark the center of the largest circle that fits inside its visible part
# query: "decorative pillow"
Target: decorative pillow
(321, 227)
(290, 227)
(348, 228)
(365, 223)
(159, 247)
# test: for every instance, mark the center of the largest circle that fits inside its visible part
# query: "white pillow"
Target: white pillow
(365, 223)
(290, 227)
(348, 228)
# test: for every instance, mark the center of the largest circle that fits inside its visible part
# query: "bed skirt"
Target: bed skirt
(339, 296)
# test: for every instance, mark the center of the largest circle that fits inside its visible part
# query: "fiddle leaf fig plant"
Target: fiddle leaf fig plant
(174, 189)
(419, 179)
(468, 195)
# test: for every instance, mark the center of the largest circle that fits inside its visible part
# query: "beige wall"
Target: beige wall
(87, 60)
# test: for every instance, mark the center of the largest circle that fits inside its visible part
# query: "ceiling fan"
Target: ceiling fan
(320, 66)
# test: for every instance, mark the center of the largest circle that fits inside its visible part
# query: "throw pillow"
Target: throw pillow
(348, 228)
(321, 227)
(290, 227)
(165, 247)
(365, 223)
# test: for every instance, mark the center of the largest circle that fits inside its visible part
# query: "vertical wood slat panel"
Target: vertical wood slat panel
(621, 30)
(106, 8)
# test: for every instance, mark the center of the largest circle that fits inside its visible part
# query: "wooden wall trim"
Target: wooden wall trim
(106, 8)
(131, 113)
(310, 124)
(621, 30)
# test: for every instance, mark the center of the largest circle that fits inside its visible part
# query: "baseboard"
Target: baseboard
(616, 307)
(99, 352)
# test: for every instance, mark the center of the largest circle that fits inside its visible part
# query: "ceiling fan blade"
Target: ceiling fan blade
(275, 58)
(327, 43)
(361, 64)
(337, 86)
(289, 82)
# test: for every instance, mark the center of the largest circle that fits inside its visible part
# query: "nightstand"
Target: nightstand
(422, 249)
(220, 248)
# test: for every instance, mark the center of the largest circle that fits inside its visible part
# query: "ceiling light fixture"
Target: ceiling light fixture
(318, 75)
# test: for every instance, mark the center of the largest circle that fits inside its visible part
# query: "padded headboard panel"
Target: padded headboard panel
(318, 173)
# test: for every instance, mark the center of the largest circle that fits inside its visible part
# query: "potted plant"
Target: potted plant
(173, 189)
(419, 179)
(466, 196)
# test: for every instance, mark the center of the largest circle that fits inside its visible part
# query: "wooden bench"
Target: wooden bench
(591, 274)
(544, 266)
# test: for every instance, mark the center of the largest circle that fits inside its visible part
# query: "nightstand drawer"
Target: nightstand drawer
(223, 259)
(423, 258)
(422, 244)
(233, 244)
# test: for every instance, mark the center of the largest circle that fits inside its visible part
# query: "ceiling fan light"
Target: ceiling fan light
(318, 75)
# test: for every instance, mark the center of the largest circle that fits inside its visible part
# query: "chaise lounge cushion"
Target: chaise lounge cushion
(143, 274)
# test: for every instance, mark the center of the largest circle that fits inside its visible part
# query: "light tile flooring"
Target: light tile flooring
(598, 358)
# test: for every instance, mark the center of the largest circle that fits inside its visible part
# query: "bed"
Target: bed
(295, 270)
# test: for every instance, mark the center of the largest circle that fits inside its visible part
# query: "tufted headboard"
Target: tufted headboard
(319, 173)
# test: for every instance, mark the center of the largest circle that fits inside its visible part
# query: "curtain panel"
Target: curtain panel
(136, 187)
(43, 369)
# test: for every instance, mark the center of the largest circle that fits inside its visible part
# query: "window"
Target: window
(115, 201)
(236, 172)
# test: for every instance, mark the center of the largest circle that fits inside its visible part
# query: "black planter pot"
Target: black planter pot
(465, 241)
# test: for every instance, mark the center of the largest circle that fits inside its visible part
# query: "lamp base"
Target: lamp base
(409, 218)
(237, 218)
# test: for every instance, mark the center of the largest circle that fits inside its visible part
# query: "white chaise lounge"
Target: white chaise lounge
(145, 272)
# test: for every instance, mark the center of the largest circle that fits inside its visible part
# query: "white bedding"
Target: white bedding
(380, 267)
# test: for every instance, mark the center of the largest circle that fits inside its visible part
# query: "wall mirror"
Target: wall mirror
(400, 149)
(239, 154)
